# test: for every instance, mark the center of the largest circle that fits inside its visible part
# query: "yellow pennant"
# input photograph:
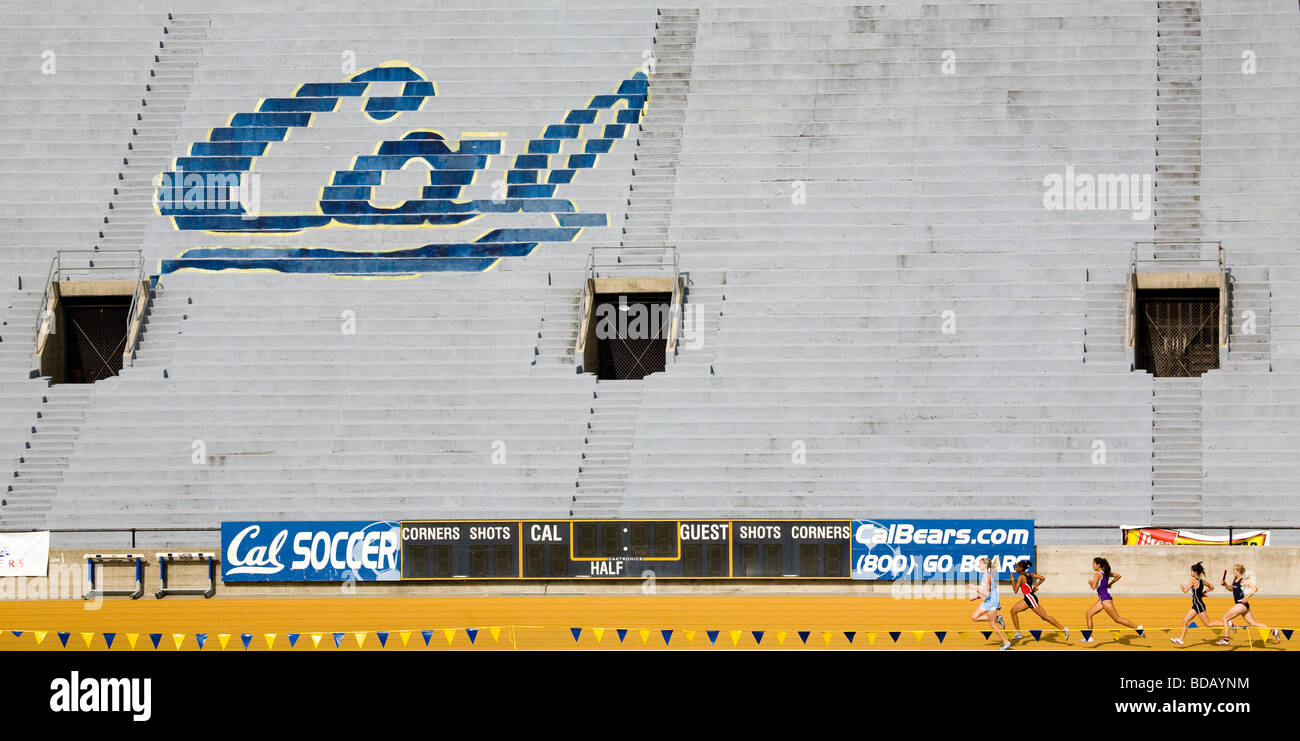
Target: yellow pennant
(40, 636)
(645, 637)
(495, 632)
(871, 639)
(178, 639)
(361, 638)
(222, 638)
(270, 640)
(315, 640)
(131, 638)
(450, 633)
(961, 635)
(826, 636)
(405, 635)
(735, 636)
(87, 637)
(780, 638)
(600, 633)
(1114, 634)
(1263, 634)
(918, 634)
(690, 636)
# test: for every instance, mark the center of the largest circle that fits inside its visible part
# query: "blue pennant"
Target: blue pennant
(338, 639)
(1141, 632)
(986, 634)
(1037, 634)
(941, 634)
(758, 636)
(155, 637)
(849, 634)
(17, 633)
(63, 638)
(668, 636)
(895, 634)
(803, 635)
(427, 635)
(202, 638)
(1287, 632)
(1087, 634)
(576, 632)
(247, 638)
(293, 639)
(622, 633)
(108, 639)
(713, 636)
(1192, 624)
(472, 633)
(383, 638)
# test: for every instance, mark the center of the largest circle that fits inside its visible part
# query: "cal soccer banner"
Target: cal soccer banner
(928, 549)
(310, 551)
(24, 554)
(1163, 536)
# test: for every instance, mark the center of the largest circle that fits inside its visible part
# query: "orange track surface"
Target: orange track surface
(544, 622)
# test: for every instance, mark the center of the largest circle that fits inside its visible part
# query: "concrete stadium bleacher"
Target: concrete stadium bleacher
(834, 192)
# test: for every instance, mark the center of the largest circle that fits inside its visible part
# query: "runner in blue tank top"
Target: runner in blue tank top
(988, 609)
(1102, 580)
(1198, 587)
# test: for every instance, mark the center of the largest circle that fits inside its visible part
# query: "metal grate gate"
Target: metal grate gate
(96, 339)
(1178, 334)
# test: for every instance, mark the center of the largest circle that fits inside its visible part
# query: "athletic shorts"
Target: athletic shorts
(1032, 601)
(1198, 605)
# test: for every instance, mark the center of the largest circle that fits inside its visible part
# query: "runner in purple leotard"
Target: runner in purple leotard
(1102, 580)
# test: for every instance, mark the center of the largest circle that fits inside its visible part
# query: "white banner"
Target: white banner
(24, 554)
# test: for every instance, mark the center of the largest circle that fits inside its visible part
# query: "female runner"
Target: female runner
(1102, 579)
(1027, 583)
(1198, 587)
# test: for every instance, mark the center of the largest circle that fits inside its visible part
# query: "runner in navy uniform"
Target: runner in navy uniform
(1243, 588)
(1198, 587)
(1026, 585)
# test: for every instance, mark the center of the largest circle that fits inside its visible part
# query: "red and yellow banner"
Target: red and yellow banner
(1163, 536)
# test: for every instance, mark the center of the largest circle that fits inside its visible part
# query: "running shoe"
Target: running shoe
(1067, 633)
(1001, 624)
(1223, 642)
(1018, 635)
(1176, 641)
(1005, 646)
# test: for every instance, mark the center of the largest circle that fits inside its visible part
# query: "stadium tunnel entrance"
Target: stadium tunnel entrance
(88, 329)
(629, 327)
(1177, 323)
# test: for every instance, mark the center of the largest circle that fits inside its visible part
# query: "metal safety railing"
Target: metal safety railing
(91, 265)
(1144, 258)
(648, 262)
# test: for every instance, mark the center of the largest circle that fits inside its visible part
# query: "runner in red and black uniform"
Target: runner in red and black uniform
(1027, 583)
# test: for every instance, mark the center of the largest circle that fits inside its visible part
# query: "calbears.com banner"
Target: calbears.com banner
(930, 549)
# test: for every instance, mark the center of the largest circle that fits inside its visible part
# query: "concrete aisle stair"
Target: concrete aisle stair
(1104, 343)
(1176, 453)
(660, 138)
(149, 151)
(607, 449)
(1177, 182)
(54, 433)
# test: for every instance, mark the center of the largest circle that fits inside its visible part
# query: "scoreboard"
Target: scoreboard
(625, 549)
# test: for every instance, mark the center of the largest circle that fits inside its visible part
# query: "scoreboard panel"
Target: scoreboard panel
(625, 549)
